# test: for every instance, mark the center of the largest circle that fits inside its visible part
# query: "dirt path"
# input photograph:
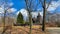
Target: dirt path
(53, 30)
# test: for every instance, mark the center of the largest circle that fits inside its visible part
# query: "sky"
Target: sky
(54, 6)
(19, 6)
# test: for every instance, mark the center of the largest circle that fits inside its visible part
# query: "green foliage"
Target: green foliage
(20, 19)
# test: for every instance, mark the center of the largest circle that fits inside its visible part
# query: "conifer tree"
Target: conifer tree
(20, 18)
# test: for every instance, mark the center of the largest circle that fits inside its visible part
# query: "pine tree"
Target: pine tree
(20, 19)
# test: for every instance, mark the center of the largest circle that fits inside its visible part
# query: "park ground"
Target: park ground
(36, 29)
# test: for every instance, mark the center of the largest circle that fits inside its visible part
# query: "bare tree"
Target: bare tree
(5, 7)
(30, 6)
(55, 18)
(43, 2)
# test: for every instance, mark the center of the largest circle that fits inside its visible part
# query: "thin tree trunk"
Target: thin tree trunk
(44, 14)
(4, 22)
(30, 21)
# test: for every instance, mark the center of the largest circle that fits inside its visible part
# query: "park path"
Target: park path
(53, 30)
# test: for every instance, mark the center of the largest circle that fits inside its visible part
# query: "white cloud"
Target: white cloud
(53, 5)
(1, 10)
(8, 5)
(41, 13)
(23, 11)
(34, 14)
(11, 10)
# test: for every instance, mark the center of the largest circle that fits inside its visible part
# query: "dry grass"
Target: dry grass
(36, 29)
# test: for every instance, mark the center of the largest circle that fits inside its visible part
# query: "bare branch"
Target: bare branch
(49, 4)
(26, 1)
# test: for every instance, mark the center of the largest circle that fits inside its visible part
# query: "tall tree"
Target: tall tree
(4, 4)
(45, 7)
(28, 6)
(31, 6)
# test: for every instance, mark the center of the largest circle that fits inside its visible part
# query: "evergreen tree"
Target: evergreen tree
(20, 19)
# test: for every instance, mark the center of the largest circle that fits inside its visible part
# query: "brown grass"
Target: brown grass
(36, 29)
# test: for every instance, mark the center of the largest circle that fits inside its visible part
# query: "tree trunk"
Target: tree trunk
(4, 22)
(44, 14)
(30, 21)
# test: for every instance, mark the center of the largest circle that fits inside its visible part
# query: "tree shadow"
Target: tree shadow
(5, 29)
(24, 30)
(34, 29)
